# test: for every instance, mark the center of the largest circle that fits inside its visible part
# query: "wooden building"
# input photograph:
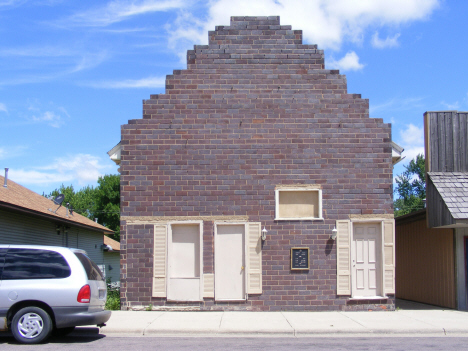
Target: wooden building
(431, 245)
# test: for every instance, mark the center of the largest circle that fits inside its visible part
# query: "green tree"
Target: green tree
(411, 187)
(82, 202)
(107, 203)
(102, 202)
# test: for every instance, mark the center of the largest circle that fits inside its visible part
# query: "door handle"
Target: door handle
(242, 267)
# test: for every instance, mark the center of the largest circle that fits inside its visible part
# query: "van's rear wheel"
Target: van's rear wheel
(31, 325)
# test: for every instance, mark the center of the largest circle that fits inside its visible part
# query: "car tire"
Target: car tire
(31, 325)
(62, 331)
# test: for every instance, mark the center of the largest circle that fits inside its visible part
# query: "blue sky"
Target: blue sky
(72, 72)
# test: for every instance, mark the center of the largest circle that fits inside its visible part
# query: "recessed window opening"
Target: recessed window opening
(303, 204)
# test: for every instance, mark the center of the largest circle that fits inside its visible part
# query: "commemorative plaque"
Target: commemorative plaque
(299, 258)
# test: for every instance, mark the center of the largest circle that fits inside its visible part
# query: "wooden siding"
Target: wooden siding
(439, 214)
(19, 229)
(446, 138)
(91, 242)
(425, 263)
(16, 228)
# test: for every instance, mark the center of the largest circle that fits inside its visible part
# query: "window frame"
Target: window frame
(301, 189)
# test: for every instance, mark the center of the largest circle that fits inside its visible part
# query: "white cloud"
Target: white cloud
(89, 60)
(412, 140)
(451, 106)
(38, 51)
(82, 169)
(150, 82)
(50, 62)
(25, 177)
(11, 151)
(397, 104)
(324, 22)
(120, 10)
(51, 115)
(3, 107)
(50, 118)
(410, 153)
(350, 62)
(412, 135)
(8, 3)
(388, 42)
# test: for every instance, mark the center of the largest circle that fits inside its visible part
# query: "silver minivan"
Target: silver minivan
(45, 289)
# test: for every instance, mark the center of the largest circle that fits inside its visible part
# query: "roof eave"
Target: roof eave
(52, 218)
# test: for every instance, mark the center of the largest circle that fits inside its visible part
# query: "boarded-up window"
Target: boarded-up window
(298, 204)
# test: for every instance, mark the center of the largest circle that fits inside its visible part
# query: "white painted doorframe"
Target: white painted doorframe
(379, 259)
(218, 260)
(170, 256)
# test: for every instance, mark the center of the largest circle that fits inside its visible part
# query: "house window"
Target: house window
(298, 203)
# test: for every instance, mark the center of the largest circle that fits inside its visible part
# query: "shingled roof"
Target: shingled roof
(115, 245)
(18, 198)
(453, 189)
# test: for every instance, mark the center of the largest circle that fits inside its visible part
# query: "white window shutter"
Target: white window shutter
(254, 256)
(159, 261)
(389, 256)
(343, 257)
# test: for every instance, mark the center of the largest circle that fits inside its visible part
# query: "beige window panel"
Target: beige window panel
(298, 204)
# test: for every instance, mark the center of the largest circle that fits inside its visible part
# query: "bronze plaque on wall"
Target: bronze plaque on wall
(299, 258)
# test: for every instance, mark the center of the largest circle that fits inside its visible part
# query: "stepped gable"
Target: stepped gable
(255, 64)
(256, 40)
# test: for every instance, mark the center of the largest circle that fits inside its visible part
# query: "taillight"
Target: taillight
(84, 295)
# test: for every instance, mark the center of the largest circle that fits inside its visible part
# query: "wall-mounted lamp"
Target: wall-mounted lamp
(333, 235)
(264, 233)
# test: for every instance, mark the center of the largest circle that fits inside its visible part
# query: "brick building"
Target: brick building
(256, 137)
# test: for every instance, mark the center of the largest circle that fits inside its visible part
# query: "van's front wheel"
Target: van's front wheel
(31, 325)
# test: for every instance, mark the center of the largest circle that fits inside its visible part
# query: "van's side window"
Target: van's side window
(2, 260)
(34, 264)
(92, 271)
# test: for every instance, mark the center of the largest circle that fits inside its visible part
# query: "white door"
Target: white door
(230, 262)
(366, 260)
(184, 264)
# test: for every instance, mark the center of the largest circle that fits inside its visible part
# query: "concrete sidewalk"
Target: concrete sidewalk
(412, 320)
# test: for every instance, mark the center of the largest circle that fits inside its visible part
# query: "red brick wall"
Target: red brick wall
(254, 109)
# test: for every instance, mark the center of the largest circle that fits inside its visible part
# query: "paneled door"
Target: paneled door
(230, 262)
(366, 261)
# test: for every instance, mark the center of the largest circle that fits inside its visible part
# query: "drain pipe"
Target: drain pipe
(6, 178)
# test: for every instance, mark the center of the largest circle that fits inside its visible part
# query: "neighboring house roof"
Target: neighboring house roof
(114, 245)
(397, 150)
(18, 198)
(114, 153)
(453, 189)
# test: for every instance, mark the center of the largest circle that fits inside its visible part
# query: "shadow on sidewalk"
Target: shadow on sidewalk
(412, 305)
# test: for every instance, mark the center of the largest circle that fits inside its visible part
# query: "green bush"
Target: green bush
(113, 298)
